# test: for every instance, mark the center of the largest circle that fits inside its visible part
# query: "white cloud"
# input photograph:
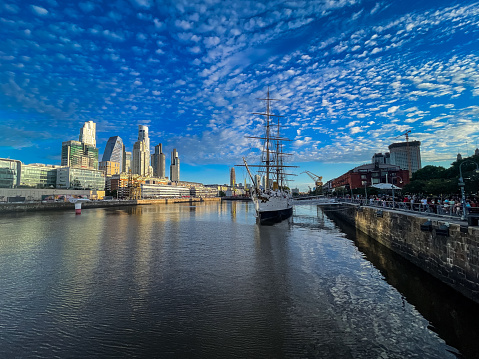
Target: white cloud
(38, 10)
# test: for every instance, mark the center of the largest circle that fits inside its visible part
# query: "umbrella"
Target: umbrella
(385, 186)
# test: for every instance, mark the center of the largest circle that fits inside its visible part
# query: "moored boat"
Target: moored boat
(271, 196)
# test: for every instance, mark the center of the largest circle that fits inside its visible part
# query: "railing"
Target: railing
(434, 209)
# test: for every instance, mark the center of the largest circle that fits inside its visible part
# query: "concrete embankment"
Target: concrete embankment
(42, 206)
(447, 250)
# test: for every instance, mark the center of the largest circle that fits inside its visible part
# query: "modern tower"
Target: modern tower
(114, 151)
(232, 177)
(175, 166)
(158, 160)
(140, 160)
(79, 155)
(127, 162)
(403, 153)
(88, 133)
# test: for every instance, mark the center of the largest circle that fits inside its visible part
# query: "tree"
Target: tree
(429, 172)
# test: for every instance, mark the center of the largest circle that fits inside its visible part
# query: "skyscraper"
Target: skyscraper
(79, 155)
(403, 153)
(140, 161)
(158, 160)
(127, 162)
(232, 177)
(175, 166)
(88, 133)
(114, 151)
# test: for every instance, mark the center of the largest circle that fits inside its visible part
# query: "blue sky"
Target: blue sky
(352, 75)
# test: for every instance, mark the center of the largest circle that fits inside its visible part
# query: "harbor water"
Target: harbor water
(205, 281)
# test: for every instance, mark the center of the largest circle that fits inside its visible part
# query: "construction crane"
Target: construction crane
(318, 180)
(407, 150)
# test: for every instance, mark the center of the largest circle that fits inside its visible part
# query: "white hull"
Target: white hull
(272, 206)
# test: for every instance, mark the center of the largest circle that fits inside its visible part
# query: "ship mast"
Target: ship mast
(267, 138)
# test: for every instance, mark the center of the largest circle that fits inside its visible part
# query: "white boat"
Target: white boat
(273, 201)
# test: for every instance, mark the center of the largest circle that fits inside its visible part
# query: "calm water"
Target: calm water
(204, 281)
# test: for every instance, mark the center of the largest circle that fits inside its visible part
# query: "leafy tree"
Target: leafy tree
(429, 172)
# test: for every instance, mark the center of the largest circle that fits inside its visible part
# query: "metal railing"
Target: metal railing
(417, 207)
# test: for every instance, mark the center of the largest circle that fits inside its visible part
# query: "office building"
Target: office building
(382, 159)
(232, 177)
(175, 167)
(403, 153)
(38, 176)
(9, 173)
(109, 168)
(114, 151)
(127, 162)
(140, 161)
(88, 134)
(80, 178)
(158, 160)
(79, 155)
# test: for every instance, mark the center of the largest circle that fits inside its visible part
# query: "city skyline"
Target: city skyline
(352, 76)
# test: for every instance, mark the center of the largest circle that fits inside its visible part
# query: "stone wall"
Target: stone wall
(451, 257)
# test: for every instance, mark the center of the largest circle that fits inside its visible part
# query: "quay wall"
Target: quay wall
(43, 206)
(451, 256)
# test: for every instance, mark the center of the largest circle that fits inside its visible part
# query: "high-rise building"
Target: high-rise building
(127, 162)
(140, 161)
(9, 173)
(232, 177)
(79, 155)
(400, 156)
(158, 160)
(175, 166)
(88, 133)
(114, 151)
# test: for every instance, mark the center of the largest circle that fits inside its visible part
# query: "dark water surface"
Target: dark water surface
(204, 281)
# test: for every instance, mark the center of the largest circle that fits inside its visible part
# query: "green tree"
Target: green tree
(429, 172)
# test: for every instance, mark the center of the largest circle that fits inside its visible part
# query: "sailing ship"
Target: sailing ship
(273, 201)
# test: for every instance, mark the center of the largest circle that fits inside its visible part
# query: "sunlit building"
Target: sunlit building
(127, 162)
(9, 173)
(109, 168)
(38, 176)
(140, 161)
(80, 178)
(158, 160)
(88, 134)
(400, 157)
(175, 166)
(76, 154)
(232, 177)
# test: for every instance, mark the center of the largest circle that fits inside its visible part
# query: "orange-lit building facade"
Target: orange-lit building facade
(371, 174)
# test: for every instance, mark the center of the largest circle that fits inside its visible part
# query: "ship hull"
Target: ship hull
(272, 217)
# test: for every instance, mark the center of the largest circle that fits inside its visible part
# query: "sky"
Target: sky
(352, 76)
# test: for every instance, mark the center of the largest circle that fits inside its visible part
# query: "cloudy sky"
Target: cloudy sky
(352, 75)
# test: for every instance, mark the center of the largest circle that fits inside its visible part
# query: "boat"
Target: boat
(273, 200)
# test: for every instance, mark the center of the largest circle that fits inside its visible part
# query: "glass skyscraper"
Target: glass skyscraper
(114, 151)
(140, 161)
(158, 160)
(175, 166)
(79, 155)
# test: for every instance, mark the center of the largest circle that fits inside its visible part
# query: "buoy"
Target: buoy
(78, 208)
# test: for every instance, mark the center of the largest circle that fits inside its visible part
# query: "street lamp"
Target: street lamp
(462, 184)
(392, 187)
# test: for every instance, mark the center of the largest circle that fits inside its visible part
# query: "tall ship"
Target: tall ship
(271, 196)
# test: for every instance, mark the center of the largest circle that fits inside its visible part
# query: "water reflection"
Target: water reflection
(454, 317)
(201, 280)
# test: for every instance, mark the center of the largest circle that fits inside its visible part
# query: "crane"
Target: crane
(407, 150)
(318, 180)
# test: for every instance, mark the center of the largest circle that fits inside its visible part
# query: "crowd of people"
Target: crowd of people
(450, 205)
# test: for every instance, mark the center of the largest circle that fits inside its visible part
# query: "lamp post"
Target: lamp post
(462, 184)
(392, 187)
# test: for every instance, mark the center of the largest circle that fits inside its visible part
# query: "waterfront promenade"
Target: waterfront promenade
(33, 206)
